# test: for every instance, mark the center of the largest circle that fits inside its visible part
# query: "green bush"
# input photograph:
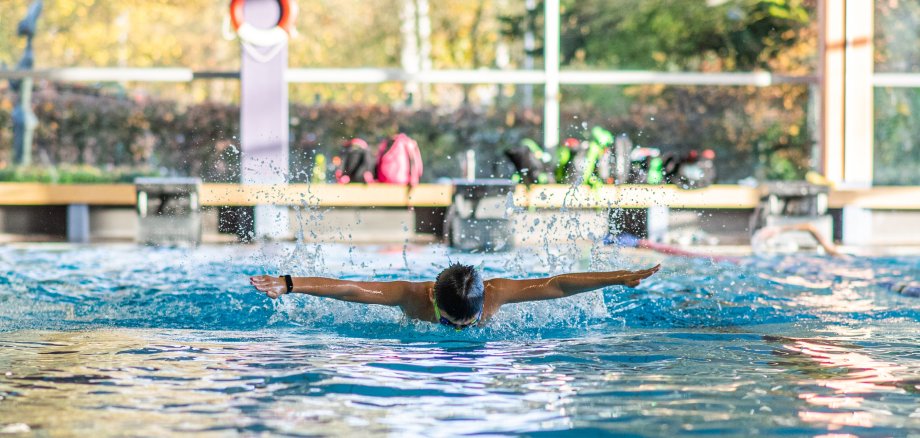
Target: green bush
(67, 174)
(87, 129)
(897, 146)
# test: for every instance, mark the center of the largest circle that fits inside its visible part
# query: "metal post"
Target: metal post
(551, 67)
(424, 46)
(857, 225)
(409, 55)
(24, 120)
(529, 46)
(24, 124)
(658, 222)
(78, 223)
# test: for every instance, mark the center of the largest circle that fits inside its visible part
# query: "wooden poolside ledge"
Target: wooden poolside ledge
(439, 195)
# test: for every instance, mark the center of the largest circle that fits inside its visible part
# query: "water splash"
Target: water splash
(207, 288)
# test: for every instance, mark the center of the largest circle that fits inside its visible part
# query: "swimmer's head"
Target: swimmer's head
(458, 292)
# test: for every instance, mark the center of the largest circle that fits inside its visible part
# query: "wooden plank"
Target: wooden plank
(65, 194)
(326, 195)
(431, 195)
(439, 195)
(641, 196)
(329, 195)
(877, 198)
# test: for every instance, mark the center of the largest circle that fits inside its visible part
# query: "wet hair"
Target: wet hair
(458, 291)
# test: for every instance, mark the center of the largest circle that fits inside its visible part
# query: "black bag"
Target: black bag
(531, 163)
(528, 167)
(691, 171)
(357, 165)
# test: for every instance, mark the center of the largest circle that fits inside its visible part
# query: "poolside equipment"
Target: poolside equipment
(618, 160)
(399, 161)
(578, 160)
(564, 159)
(646, 166)
(479, 217)
(531, 163)
(357, 163)
(264, 37)
(468, 165)
(793, 202)
(318, 171)
(24, 119)
(692, 170)
(264, 108)
(168, 211)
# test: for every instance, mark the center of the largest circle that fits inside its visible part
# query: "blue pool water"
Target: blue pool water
(116, 340)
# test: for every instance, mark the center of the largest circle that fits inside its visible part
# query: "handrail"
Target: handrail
(380, 75)
(896, 80)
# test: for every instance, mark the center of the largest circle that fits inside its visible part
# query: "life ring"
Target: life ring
(259, 36)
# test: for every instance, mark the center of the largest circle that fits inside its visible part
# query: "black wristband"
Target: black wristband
(289, 282)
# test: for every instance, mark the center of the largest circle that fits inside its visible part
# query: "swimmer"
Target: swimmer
(758, 243)
(458, 298)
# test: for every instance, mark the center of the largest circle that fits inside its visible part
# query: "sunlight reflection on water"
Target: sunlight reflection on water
(166, 341)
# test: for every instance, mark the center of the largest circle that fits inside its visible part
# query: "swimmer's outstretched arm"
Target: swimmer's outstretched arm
(516, 291)
(771, 231)
(388, 293)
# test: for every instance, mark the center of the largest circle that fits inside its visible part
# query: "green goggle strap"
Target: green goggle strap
(437, 313)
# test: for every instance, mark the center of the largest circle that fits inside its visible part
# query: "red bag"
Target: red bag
(399, 161)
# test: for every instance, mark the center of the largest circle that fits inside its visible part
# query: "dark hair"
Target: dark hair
(459, 291)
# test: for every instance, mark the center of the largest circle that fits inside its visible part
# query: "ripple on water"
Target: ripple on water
(175, 340)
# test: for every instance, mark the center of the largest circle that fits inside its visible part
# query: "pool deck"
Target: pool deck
(12, 241)
(378, 213)
(718, 196)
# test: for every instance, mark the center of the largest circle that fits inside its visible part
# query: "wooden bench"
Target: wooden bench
(658, 199)
(439, 195)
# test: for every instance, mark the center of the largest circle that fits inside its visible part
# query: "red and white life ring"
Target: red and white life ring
(259, 36)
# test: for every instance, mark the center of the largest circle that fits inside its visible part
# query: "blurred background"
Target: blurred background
(780, 90)
(185, 128)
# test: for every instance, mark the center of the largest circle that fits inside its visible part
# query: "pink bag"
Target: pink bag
(399, 161)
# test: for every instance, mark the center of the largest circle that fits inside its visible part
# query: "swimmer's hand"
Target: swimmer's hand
(274, 287)
(633, 278)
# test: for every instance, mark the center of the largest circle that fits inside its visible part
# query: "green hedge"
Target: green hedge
(68, 174)
(751, 130)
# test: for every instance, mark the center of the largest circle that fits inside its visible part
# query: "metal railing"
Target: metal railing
(896, 80)
(483, 76)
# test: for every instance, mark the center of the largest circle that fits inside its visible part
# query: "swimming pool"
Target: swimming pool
(109, 340)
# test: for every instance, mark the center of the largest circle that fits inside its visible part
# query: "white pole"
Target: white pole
(551, 67)
(424, 46)
(264, 118)
(529, 45)
(409, 56)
